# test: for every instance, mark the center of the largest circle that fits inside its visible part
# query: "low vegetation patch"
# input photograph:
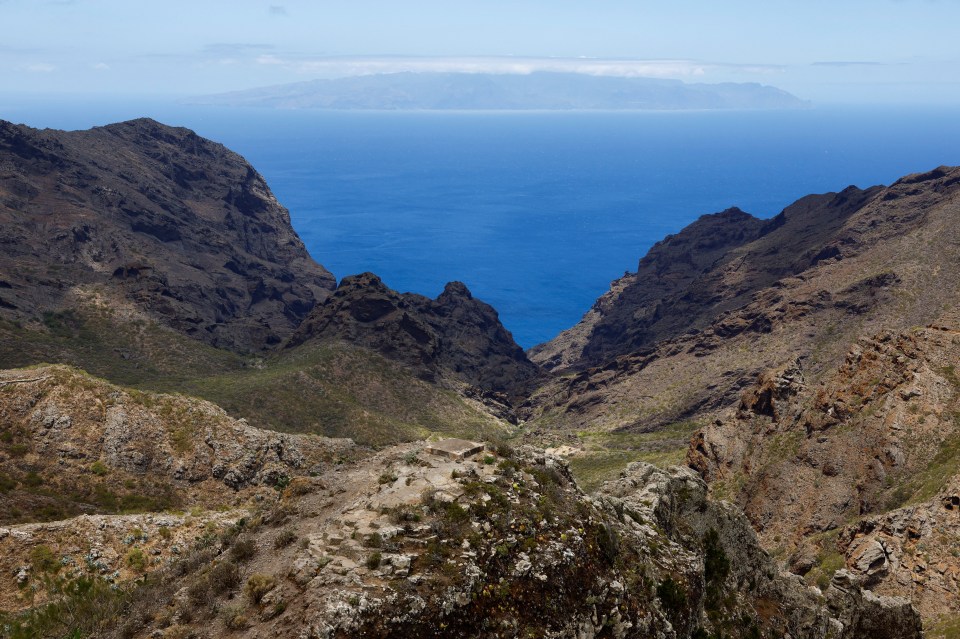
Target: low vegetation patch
(258, 585)
(606, 453)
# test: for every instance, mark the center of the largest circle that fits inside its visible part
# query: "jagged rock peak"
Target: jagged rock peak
(456, 289)
(455, 337)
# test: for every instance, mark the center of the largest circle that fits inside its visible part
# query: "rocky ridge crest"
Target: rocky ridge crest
(454, 338)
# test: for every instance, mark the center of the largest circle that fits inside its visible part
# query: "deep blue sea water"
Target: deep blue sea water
(535, 212)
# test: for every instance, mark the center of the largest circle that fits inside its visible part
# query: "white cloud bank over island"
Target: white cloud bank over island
(853, 51)
(332, 67)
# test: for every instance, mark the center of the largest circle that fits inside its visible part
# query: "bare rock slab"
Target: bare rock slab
(455, 448)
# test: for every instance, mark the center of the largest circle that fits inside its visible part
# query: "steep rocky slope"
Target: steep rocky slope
(862, 467)
(454, 337)
(179, 225)
(682, 339)
(409, 544)
(71, 443)
(686, 280)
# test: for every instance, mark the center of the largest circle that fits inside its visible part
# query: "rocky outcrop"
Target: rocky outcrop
(72, 443)
(410, 544)
(452, 338)
(655, 302)
(860, 467)
(909, 552)
(156, 215)
(718, 535)
(810, 458)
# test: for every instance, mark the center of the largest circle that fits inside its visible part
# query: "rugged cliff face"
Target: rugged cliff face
(452, 338)
(182, 227)
(826, 271)
(120, 240)
(860, 470)
(686, 280)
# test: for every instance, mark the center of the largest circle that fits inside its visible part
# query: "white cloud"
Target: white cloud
(40, 67)
(101, 66)
(235, 48)
(270, 59)
(352, 66)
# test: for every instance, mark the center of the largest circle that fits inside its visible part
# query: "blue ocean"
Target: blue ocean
(535, 212)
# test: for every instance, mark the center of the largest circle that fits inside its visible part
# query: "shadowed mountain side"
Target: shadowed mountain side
(454, 338)
(834, 267)
(184, 228)
(711, 266)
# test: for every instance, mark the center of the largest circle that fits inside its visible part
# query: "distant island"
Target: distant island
(504, 92)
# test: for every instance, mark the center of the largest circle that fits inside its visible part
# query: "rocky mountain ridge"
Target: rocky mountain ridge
(119, 233)
(71, 443)
(684, 340)
(862, 464)
(179, 225)
(454, 336)
(843, 460)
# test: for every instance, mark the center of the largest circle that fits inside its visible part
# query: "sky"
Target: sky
(837, 51)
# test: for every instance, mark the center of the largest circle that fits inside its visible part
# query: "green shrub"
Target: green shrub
(99, 468)
(18, 450)
(373, 561)
(224, 576)
(716, 567)
(198, 593)
(716, 564)
(33, 480)
(258, 585)
(136, 560)
(504, 449)
(6, 483)
(299, 487)
(609, 542)
(43, 559)
(672, 597)
(82, 607)
(235, 617)
(402, 514)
